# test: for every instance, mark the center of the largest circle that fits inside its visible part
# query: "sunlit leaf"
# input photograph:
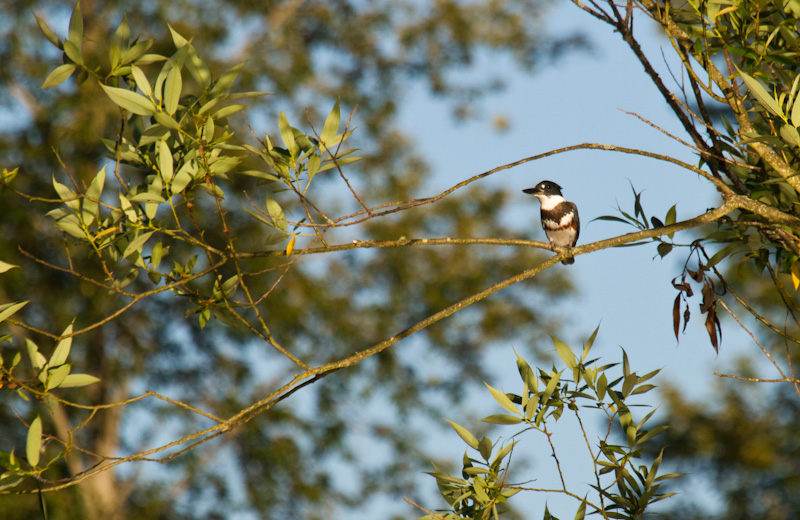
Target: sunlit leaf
(130, 101)
(761, 94)
(8, 309)
(59, 75)
(502, 399)
(77, 380)
(33, 445)
(464, 434)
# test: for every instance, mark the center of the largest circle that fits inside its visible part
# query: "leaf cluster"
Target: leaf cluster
(624, 488)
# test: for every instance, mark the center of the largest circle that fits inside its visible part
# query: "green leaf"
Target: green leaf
(130, 101)
(165, 165)
(136, 53)
(182, 180)
(76, 26)
(48, 33)
(565, 353)
(288, 136)
(551, 387)
(8, 309)
(61, 352)
(59, 75)
(502, 419)
(611, 218)
(589, 344)
(76, 380)
(73, 52)
(259, 174)
(331, 126)
(761, 94)
(172, 90)
(502, 399)
(671, 218)
(722, 253)
(464, 434)
(485, 448)
(69, 197)
(527, 375)
(663, 249)
(641, 389)
(34, 442)
(156, 254)
(5, 267)
(37, 359)
(136, 244)
(790, 135)
(166, 121)
(122, 37)
(225, 82)
(581, 513)
(227, 111)
(177, 39)
(93, 194)
(276, 214)
(57, 376)
(141, 81)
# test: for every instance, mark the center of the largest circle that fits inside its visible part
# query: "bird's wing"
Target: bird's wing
(577, 221)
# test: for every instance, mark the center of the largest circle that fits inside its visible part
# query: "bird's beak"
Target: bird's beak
(530, 191)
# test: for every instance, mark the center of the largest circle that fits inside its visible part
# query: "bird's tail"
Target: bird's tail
(568, 261)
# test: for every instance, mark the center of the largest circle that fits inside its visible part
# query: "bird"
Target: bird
(559, 217)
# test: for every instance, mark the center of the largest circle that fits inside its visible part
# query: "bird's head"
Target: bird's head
(544, 189)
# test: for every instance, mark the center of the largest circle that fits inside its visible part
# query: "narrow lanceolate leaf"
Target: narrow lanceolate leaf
(57, 376)
(67, 195)
(91, 202)
(288, 136)
(130, 101)
(141, 81)
(36, 357)
(761, 94)
(61, 353)
(502, 399)
(589, 344)
(76, 26)
(464, 434)
(276, 213)
(8, 309)
(172, 90)
(136, 244)
(34, 443)
(76, 380)
(177, 39)
(225, 82)
(5, 267)
(565, 353)
(331, 125)
(48, 33)
(59, 75)
(502, 418)
(122, 37)
(165, 161)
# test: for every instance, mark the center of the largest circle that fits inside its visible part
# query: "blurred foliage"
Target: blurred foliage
(742, 442)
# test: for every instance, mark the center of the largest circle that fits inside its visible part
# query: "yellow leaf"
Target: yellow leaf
(795, 276)
(290, 248)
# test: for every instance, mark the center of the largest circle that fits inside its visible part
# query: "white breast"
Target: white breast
(550, 201)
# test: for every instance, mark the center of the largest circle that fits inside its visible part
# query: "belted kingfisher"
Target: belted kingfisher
(559, 217)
